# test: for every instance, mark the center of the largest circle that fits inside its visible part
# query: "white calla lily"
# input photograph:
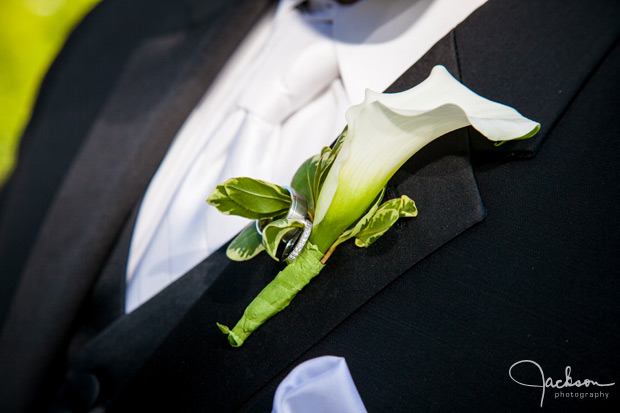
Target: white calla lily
(387, 129)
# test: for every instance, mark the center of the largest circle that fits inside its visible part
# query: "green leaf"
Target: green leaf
(275, 231)
(323, 166)
(250, 198)
(310, 176)
(340, 140)
(303, 181)
(326, 160)
(247, 245)
(383, 219)
(259, 196)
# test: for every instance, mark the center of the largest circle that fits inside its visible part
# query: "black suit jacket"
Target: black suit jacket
(431, 317)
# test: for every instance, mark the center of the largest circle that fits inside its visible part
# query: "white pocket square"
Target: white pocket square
(323, 384)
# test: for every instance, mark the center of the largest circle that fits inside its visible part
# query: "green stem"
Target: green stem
(277, 295)
(325, 233)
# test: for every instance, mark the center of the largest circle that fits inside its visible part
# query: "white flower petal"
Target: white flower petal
(387, 129)
(494, 120)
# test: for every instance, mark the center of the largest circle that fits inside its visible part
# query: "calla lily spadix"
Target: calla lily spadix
(344, 186)
(387, 129)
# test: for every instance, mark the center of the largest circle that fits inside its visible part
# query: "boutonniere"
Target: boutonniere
(337, 194)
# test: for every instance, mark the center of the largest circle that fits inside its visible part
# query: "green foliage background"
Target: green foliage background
(31, 34)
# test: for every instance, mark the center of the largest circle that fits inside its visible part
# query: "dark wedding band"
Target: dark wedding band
(293, 243)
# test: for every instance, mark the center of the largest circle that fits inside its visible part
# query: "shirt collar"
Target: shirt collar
(371, 35)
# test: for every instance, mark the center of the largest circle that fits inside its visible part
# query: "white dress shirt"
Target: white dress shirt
(280, 98)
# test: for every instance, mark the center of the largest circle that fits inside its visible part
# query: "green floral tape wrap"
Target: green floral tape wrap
(277, 295)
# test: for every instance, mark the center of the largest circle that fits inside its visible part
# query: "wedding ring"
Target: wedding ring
(302, 240)
(299, 207)
(295, 240)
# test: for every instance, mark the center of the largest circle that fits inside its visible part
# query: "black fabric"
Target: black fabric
(72, 95)
(106, 300)
(77, 218)
(116, 353)
(132, 133)
(537, 279)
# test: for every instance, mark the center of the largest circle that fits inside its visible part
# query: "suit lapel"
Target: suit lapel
(110, 173)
